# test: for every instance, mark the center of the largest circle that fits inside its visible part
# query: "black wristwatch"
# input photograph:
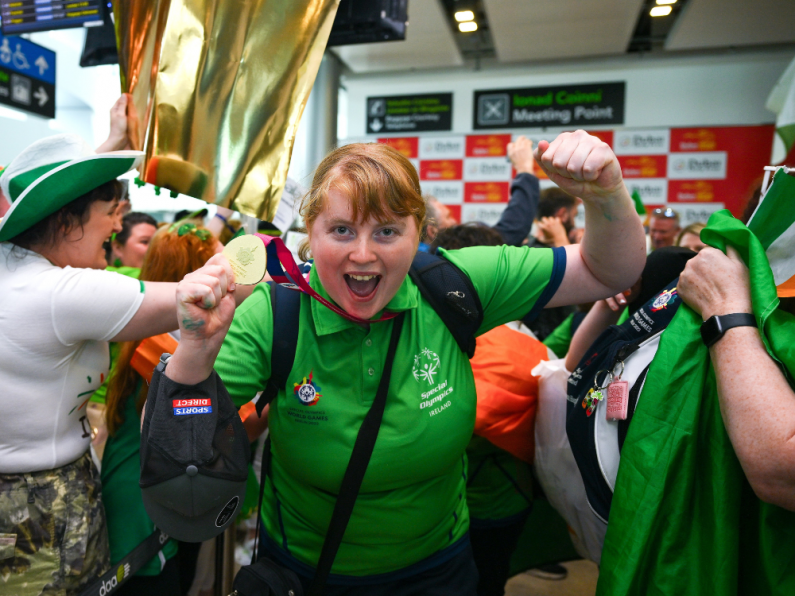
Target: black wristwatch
(713, 328)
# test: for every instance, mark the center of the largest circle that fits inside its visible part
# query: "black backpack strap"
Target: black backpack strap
(451, 294)
(357, 466)
(286, 307)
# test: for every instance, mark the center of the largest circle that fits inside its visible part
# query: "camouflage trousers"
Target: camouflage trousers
(53, 536)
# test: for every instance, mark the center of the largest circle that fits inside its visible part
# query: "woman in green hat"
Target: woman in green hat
(58, 312)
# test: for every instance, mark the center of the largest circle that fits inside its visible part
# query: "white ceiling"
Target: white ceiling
(547, 30)
(723, 23)
(429, 44)
(536, 30)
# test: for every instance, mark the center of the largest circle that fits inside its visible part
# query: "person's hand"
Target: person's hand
(714, 283)
(520, 152)
(118, 137)
(582, 165)
(620, 300)
(553, 231)
(206, 302)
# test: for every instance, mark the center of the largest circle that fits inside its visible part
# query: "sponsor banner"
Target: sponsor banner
(487, 214)
(700, 212)
(486, 192)
(441, 169)
(487, 145)
(643, 166)
(692, 191)
(449, 193)
(409, 113)
(407, 146)
(578, 105)
(642, 142)
(661, 177)
(487, 169)
(455, 212)
(442, 147)
(652, 191)
(416, 164)
(697, 166)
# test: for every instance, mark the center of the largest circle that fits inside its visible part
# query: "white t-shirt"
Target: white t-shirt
(55, 324)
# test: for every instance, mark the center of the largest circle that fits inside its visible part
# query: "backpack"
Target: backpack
(596, 442)
(446, 288)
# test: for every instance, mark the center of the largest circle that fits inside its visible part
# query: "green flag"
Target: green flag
(684, 520)
(639, 207)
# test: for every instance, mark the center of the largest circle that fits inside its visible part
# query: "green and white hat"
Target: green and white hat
(52, 173)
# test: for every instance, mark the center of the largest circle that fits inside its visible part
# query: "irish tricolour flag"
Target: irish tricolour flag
(773, 223)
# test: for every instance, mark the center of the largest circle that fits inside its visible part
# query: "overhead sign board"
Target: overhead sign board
(27, 76)
(409, 113)
(27, 16)
(571, 106)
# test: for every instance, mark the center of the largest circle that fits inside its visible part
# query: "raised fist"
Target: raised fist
(582, 165)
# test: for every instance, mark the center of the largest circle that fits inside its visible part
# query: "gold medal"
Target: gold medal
(246, 255)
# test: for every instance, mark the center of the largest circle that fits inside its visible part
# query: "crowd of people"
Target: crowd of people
(450, 482)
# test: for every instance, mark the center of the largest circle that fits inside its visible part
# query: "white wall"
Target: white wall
(703, 90)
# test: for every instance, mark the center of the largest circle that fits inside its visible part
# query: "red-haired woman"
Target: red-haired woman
(364, 213)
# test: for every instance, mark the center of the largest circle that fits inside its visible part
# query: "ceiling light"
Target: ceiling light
(467, 15)
(660, 11)
(666, 1)
(468, 27)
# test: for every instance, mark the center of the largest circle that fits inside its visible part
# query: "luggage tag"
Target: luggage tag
(596, 393)
(617, 397)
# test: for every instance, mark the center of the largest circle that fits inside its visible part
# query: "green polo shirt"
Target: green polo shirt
(412, 503)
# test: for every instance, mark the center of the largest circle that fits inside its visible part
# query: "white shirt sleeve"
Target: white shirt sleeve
(90, 304)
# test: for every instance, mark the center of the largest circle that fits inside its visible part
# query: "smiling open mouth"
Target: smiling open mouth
(362, 286)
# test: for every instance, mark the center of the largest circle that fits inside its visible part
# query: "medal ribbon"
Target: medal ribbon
(283, 270)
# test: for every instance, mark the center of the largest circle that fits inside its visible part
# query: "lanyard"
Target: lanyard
(283, 270)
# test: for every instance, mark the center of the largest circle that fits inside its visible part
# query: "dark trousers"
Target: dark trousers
(456, 577)
(164, 584)
(492, 549)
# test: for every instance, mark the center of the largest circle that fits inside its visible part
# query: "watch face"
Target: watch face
(710, 331)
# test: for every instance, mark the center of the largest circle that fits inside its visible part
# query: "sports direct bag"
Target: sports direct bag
(603, 392)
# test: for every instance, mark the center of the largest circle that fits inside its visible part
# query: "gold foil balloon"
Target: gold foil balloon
(139, 31)
(232, 81)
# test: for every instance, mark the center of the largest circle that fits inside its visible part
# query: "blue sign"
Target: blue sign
(27, 76)
(27, 58)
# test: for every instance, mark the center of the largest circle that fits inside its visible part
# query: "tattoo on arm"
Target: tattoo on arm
(191, 325)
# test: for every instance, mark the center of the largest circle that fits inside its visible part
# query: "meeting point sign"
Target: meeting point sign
(575, 106)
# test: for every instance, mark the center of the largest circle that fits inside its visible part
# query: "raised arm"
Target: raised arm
(158, 311)
(613, 250)
(517, 219)
(756, 402)
(205, 308)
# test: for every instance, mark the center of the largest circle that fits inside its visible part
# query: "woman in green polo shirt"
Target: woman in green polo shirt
(408, 531)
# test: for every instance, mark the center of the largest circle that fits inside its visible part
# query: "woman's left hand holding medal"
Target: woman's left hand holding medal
(205, 308)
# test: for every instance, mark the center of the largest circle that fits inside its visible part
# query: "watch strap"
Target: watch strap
(715, 327)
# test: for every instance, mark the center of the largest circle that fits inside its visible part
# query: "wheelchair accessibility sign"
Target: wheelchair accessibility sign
(27, 76)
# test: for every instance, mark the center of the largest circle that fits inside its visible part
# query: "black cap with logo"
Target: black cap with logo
(194, 457)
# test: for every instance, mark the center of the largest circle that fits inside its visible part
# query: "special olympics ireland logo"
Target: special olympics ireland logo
(426, 366)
